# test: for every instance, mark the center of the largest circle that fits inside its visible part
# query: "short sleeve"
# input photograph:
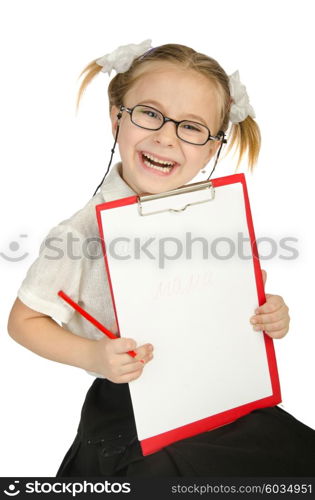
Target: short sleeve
(58, 267)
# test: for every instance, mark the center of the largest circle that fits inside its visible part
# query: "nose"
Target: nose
(166, 136)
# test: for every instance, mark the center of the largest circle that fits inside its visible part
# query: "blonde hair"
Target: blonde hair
(244, 136)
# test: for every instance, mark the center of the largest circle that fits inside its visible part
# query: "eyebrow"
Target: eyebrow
(150, 102)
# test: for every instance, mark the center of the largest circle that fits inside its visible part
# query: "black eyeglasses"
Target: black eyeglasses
(151, 119)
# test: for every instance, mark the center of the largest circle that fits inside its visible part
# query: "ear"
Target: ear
(113, 118)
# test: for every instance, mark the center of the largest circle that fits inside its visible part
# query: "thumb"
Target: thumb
(122, 345)
(264, 276)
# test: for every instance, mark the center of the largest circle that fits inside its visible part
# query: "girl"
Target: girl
(170, 108)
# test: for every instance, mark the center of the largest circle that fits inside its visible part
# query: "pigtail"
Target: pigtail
(245, 137)
(91, 71)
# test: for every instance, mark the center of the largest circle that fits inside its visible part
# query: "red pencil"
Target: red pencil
(90, 318)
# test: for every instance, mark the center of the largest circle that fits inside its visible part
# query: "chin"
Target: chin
(160, 186)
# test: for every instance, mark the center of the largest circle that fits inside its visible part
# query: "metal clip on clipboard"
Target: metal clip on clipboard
(205, 185)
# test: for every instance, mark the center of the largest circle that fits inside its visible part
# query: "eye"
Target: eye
(150, 113)
(191, 127)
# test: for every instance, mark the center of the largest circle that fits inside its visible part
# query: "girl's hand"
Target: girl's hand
(273, 316)
(109, 358)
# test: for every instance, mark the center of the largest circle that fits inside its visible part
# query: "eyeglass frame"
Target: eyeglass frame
(220, 137)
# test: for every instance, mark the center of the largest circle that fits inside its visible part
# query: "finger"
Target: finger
(125, 359)
(135, 365)
(279, 334)
(147, 357)
(272, 327)
(132, 367)
(143, 357)
(122, 345)
(272, 303)
(264, 276)
(280, 314)
(142, 354)
(143, 351)
(128, 377)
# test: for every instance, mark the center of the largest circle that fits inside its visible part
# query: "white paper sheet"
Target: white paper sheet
(195, 311)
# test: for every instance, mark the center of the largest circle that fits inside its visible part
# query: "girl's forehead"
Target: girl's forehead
(155, 76)
(175, 88)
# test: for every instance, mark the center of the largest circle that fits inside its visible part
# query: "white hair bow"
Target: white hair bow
(121, 58)
(241, 107)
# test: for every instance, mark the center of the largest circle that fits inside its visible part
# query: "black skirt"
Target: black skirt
(266, 442)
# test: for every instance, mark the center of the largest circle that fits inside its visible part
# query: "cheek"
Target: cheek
(201, 156)
(125, 134)
(210, 150)
(130, 136)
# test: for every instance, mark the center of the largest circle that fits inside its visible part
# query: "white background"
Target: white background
(46, 152)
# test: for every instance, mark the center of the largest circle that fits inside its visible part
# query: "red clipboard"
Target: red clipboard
(155, 442)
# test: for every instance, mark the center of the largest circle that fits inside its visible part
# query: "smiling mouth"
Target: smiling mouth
(152, 161)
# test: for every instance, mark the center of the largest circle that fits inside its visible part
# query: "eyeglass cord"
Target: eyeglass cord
(111, 156)
(218, 154)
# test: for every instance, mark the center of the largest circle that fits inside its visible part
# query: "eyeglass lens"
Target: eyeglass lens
(152, 119)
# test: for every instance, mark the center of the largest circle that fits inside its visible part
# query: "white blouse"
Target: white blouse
(71, 259)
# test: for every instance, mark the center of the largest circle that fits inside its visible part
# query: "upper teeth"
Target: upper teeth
(162, 162)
